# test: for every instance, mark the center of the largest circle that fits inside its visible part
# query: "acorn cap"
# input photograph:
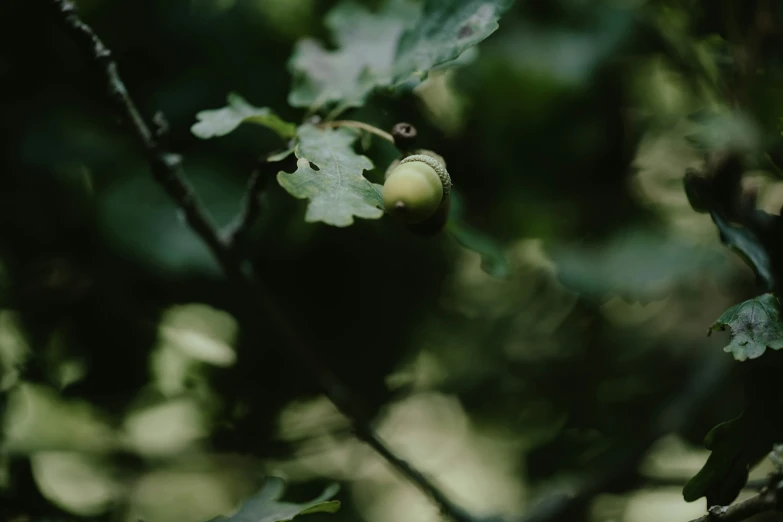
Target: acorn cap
(437, 166)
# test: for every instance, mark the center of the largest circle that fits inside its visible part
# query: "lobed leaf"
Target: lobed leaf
(746, 244)
(394, 47)
(219, 122)
(445, 30)
(337, 190)
(736, 446)
(754, 325)
(367, 44)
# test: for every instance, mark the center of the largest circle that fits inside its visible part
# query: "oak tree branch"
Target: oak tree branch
(761, 503)
(167, 171)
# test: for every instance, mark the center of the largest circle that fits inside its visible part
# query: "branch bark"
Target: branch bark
(166, 168)
(763, 502)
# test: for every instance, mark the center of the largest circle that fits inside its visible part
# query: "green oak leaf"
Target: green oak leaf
(715, 130)
(493, 259)
(493, 256)
(265, 506)
(337, 191)
(219, 122)
(445, 30)
(394, 47)
(754, 326)
(747, 246)
(736, 446)
(367, 43)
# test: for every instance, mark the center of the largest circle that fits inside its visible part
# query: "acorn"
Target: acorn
(416, 192)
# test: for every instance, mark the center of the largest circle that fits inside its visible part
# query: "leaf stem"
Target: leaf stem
(359, 125)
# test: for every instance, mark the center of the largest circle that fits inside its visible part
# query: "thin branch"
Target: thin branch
(238, 234)
(765, 501)
(252, 211)
(167, 171)
(166, 167)
(413, 475)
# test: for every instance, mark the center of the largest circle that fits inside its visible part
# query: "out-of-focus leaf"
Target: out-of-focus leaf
(133, 205)
(337, 190)
(395, 47)
(202, 332)
(193, 489)
(367, 43)
(78, 483)
(13, 349)
(745, 243)
(560, 59)
(445, 30)
(736, 446)
(723, 131)
(265, 506)
(754, 326)
(639, 263)
(493, 258)
(167, 428)
(219, 122)
(37, 419)
(173, 371)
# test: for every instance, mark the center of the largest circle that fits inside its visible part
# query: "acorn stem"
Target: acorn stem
(359, 125)
(404, 135)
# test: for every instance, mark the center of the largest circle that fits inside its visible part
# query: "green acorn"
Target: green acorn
(417, 191)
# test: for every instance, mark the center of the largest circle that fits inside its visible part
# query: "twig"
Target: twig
(167, 171)
(237, 234)
(413, 475)
(166, 167)
(761, 503)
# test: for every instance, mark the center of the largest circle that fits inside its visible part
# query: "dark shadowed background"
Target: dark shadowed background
(131, 390)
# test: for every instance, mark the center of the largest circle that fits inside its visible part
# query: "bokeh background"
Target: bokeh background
(130, 389)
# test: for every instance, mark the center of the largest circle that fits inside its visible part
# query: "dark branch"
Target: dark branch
(167, 170)
(413, 475)
(166, 167)
(761, 503)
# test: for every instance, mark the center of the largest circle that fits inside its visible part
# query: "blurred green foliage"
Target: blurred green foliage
(132, 386)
